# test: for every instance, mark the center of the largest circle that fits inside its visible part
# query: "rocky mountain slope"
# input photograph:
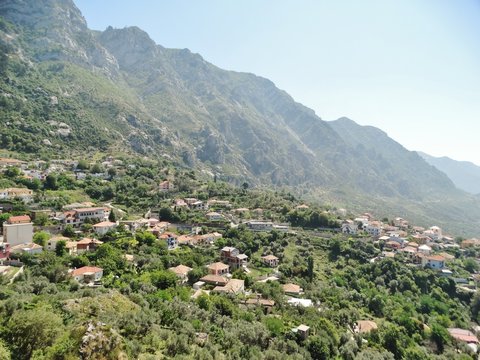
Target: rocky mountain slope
(67, 90)
(464, 174)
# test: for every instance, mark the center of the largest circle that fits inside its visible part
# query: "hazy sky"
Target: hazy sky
(409, 67)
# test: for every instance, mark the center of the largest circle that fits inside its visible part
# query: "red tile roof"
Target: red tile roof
(463, 335)
(88, 241)
(86, 269)
(104, 224)
(19, 219)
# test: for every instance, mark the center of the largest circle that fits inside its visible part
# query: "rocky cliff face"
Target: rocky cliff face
(56, 30)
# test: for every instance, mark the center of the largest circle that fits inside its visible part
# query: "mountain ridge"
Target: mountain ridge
(464, 174)
(118, 89)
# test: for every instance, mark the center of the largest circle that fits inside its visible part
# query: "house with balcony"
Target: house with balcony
(233, 258)
(218, 268)
(171, 239)
(270, 260)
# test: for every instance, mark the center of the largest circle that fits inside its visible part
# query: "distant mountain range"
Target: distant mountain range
(70, 91)
(464, 174)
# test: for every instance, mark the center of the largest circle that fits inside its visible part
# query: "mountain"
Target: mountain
(69, 91)
(464, 174)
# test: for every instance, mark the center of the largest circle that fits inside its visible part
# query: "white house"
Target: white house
(30, 248)
(374, 228)
(257, 225)
(52, 243)
(349, 227)
(425, 249)
(270, 260)
(18, 230)
(214, 216)
(436, 262)
(103, 227)
(171, 239)
(181, 271)
(26, 195)
(87, 274)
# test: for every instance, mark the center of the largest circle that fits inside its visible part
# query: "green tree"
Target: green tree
(96, 169)
(203, 302)
(111, 216)
(41, 219)
(274, 325)
(29, 330)
(112, 172)
(475, 306)
(4, 351)
(41, 238)
(196, 273)
(471, 265)
(319, 348)
(51, 182)
(68, 231)
(60, 248)
(310, 266)
(145, 238)
(12, 172)
(164, 279)
(440, 336)
(82, 165)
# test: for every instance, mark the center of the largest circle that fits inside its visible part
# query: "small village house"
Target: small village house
(302, 331)
(77, 217)
(30, 248)
(26, 195)
(364, 326)
(87, 274)
(270, 260)
(181, 271)
(52, 242)
(435, 262)
(104, 227)
(292, 289)
(349, 227)
(88, 244)
(233, 286)
(214, 216)
(170, 239)
(18, 230)
(214, 280)
(233, 257)
(218, 268)
(166, 186)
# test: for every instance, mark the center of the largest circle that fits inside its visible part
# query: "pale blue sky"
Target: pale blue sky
(409, 67)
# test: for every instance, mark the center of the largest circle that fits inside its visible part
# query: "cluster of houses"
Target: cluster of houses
(418, 246)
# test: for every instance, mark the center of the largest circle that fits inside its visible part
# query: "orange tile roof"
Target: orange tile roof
(214, 279)
(463, 335)
(292, 288)
(19, 219)
(104, 224)
(86, 241)
(86, 269)
(365, 326)
(263, 302)
(218, 266)
(180, 269)
(435, 258)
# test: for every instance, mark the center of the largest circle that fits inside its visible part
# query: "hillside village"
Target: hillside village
(222, 232)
